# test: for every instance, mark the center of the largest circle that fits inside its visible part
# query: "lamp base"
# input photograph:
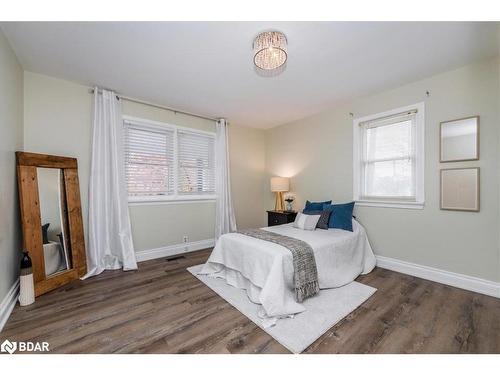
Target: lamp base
(279, 205)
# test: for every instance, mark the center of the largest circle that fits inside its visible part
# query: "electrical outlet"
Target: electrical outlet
(185, 239)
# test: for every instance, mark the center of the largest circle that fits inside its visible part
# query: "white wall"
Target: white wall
(317, 153)
(58, 121)
(11, 140)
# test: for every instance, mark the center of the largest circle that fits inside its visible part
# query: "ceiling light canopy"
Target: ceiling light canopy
(270, 50)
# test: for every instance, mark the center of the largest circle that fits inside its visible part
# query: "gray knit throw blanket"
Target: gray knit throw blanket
(305, 276)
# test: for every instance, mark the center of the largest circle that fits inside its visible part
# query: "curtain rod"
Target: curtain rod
(134, 100)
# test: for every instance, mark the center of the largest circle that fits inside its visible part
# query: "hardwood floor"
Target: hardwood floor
(162, 308)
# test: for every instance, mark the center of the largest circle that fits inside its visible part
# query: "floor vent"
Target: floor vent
(176, 258)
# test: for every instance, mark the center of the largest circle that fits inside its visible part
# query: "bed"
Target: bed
(265, 269)
(53, 258)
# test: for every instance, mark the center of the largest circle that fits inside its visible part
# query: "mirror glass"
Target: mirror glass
(460, 189)
(54, 217)
(459, 140)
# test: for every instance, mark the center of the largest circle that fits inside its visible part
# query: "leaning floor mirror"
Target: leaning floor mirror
(51, 218)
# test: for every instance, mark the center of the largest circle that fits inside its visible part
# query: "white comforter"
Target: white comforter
(265, 269)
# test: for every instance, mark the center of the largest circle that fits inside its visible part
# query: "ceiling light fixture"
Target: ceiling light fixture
(270, 50)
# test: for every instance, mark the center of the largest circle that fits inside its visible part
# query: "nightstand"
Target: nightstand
(280, 217)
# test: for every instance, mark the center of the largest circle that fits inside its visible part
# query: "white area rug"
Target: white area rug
(296, 334)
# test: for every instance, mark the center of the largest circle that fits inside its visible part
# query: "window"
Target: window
(389, 158)
(149, 161)
(196, 163)
(166, 163)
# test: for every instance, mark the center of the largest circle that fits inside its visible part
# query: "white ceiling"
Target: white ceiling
(206, 67)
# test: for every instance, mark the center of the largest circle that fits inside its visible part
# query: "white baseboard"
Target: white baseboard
(471, 283)
(458, 280)
(8, 304)
(166, 251)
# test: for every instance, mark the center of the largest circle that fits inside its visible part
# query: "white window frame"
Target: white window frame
(419, 159)
(173, 198)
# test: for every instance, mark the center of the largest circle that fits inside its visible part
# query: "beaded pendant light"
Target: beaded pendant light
(270, 50)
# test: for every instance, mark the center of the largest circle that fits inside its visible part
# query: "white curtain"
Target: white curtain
(110, 236)
(225, 221)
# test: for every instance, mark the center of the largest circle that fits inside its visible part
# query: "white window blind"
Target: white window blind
(149, 161)
(388, 157)
(168, 162)
(388, 164)
(196, 163)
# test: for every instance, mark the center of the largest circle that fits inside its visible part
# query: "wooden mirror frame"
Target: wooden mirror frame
(27, 177)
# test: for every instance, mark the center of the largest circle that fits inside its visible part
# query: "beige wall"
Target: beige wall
(58, 121)
(160, 225)
(247, 157)
(57, 117)
(11, 140)
(317, 153)
(498, 146)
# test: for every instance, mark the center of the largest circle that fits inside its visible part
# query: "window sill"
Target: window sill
(140, 201)
(405, 205)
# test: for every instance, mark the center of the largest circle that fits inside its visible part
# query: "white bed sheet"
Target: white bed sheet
(265, 269)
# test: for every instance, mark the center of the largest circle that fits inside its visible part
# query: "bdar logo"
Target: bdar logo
(8, 347)
(24, 346)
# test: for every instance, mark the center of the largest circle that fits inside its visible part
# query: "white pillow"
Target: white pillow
(306, 222)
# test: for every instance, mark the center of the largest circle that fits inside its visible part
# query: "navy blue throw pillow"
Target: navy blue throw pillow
(341, 217)
(323, 219)
(315, 206)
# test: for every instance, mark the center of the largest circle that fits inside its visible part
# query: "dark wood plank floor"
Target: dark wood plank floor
(162, 308)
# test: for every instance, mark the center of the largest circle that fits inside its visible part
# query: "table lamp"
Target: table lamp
(279, 185)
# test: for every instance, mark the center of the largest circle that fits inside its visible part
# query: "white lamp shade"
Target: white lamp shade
(280, 184)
